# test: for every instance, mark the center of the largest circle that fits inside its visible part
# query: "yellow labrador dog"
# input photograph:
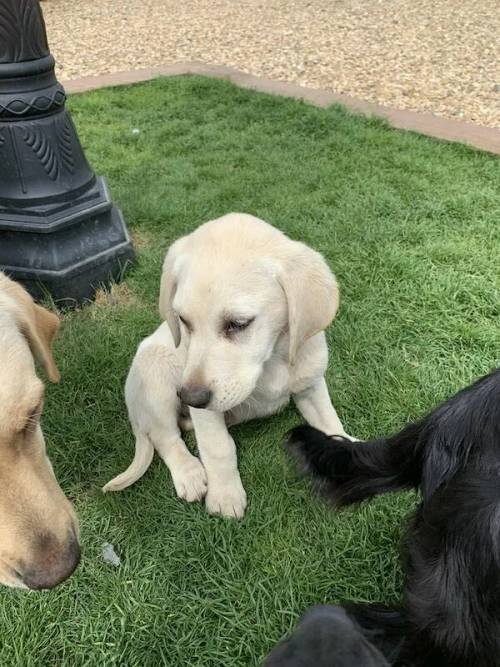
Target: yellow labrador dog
(38, 527)
(245, 310)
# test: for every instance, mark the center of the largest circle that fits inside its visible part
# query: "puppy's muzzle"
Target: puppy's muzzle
(196, 396)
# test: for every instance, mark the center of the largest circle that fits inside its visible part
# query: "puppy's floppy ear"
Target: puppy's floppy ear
(38, 325)
(311, 291)
(168, 287)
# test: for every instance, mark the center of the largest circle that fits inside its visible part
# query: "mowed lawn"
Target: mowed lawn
(410, 226)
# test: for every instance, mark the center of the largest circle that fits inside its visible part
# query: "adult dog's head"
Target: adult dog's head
(234, 287)
(38, 527)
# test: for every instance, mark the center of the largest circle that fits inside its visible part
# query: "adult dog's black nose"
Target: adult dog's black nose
(196, 396)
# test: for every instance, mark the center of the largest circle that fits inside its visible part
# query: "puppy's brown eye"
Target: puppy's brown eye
(232, 327)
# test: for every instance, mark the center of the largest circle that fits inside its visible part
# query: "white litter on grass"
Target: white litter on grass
(135, 130)
(109, 554)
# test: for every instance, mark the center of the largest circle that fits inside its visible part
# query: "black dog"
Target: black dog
(450, 615)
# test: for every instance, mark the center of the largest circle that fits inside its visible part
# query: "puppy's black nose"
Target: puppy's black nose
(195, 395)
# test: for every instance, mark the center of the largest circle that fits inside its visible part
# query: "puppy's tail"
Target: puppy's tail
(354, 471)
(144, 452)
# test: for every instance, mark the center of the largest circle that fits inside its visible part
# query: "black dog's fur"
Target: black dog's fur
(450, 615)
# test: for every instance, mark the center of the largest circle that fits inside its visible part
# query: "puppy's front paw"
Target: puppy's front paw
(190, 480)
(226, 498)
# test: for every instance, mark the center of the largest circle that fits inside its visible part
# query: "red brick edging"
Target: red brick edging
(485, 138)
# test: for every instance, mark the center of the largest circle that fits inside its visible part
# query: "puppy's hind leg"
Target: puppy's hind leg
(144, 452)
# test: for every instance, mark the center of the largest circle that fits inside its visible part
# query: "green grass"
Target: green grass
(410, 226)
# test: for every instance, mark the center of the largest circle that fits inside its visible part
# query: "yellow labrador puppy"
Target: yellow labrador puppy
(245, 310)
(38, 527)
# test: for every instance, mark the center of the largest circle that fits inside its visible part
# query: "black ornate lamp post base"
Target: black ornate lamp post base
(88, 246)
(59, 230)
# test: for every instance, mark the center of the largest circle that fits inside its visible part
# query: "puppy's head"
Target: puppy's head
(38, 527)
(233, 288)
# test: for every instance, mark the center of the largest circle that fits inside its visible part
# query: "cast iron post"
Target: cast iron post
(58, 227)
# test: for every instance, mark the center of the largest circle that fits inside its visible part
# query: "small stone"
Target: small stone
(109, 555)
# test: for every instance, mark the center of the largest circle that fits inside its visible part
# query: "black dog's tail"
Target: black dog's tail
(354, 471)
(427, 453)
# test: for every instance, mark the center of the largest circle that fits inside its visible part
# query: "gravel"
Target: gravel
(423, 55)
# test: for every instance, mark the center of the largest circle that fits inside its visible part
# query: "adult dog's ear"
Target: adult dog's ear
(39, 326)
(312, 294)
(168, 287)
(41, 334)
